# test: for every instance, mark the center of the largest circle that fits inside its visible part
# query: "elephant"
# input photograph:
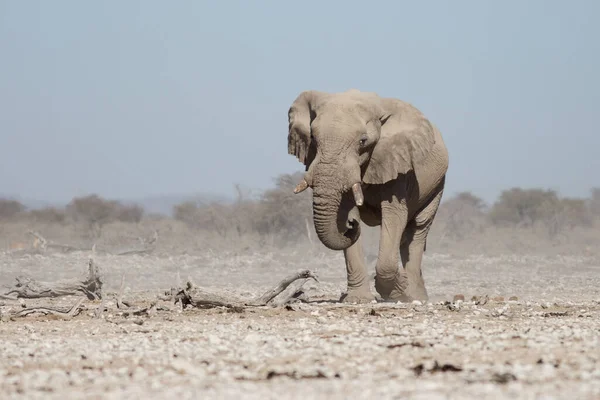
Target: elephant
(377, 160)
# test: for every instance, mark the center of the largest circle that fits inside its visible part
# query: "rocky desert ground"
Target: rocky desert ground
(528, 328)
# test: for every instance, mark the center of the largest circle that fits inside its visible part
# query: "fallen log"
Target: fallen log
(205, 298)
(29, 288)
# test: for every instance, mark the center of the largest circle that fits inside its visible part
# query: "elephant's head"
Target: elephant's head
(339, 139)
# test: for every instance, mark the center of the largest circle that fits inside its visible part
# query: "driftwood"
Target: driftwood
(204, 298)
(90, 285)
(69, 314)
(283, 293)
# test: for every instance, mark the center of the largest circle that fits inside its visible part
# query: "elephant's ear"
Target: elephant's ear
(405, 142)
(300, 115)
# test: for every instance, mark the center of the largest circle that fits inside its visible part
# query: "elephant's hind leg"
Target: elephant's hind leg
(413, 247)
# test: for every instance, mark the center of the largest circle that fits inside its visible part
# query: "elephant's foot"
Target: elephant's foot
(357, 296)
(414, 291)
(407, 297)
(401, 288)
(417, 291)
(391, 289)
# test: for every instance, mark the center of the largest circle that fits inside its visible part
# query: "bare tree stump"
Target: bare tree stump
(91, 286)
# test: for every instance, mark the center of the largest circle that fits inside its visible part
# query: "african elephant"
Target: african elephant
(373, 159)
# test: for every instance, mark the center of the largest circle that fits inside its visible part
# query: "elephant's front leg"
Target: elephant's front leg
(391, 281)
(413, 248)
(358, 290)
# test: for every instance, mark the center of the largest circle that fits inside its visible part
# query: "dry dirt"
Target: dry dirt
(543, 345)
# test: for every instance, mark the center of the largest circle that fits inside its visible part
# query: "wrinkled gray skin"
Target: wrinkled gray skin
(356, 144)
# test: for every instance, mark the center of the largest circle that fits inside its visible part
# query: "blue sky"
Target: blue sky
(138, 98)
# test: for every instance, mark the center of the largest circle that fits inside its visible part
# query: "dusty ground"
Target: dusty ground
(543, 345)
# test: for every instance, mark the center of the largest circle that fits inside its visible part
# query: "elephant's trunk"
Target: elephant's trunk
(335, 216)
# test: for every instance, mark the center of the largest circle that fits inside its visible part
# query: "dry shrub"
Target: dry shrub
(523, 207)
(128, 213)
(208, 216)
(95, 211)
(278, 216)
(565, 215)
(284, 214)
(594, 203)
(10, 208)
(48, 215)
(462, 216)
(533, 208)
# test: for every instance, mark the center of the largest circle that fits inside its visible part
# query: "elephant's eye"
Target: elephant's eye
(363, 140)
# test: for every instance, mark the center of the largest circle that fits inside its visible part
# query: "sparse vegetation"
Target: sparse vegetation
(278, 215)
(279, 218)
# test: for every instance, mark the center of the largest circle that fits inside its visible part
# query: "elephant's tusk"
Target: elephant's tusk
(301, 187)
(358, 194)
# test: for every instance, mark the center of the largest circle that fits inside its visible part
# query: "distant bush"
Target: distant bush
(213, 217)
(594, 203)
(567, 214)
(10, 208)
(128, 213)
(186, 212)
(48, 215)
(96, 211)
(537, 207)
(462, 215)
(523, 207)
(278, 213)
(282, 212)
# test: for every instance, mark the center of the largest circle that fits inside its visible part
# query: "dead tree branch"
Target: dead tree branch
(204, 298)
(73, 311)
(147, 246)
(90, 285)
(39, 241)
(281, 286)
(45, 244)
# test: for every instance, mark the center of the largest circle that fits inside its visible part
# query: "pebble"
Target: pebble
(458, 297)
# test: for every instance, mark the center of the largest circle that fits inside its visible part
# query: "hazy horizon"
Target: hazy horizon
(136, 99)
